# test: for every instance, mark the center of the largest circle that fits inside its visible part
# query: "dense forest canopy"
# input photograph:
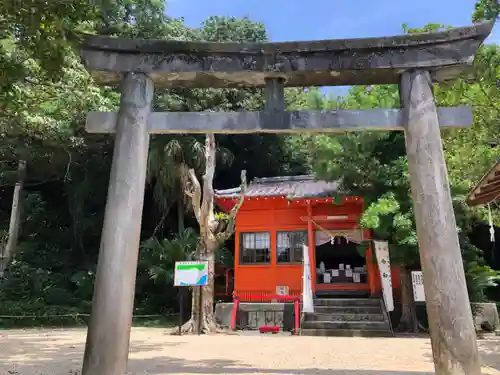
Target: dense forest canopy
(45, 94)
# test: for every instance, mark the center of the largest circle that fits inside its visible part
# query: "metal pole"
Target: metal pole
(200, 309)
(181, 309)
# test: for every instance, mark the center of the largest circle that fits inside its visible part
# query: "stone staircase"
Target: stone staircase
(348, 317)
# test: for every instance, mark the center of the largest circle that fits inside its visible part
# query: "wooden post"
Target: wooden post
(15, 219)
(106, 350)
(275, 94)
(311, 245)
(451, 326)
(371, 268)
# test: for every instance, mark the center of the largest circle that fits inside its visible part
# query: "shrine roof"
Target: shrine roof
(360, 61)
(292, 187)
(487, 190)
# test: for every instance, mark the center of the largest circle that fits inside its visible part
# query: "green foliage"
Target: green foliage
(232, 29)
(486, 10)
(43, 30)
(384, 206)
(479, 279)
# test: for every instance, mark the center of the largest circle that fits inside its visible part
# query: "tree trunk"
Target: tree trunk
(203, 320)
(408, 322)
(15, 219)
(180, 216)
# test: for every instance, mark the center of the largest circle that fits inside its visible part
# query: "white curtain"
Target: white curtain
(257, 240)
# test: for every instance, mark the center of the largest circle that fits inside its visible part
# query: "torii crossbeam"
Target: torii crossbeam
(413, 61)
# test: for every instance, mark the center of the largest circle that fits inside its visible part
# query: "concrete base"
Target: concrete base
(485, 316)
(332, 317)
(251, 315)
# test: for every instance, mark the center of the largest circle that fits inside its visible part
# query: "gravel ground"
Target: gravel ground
(59, 352)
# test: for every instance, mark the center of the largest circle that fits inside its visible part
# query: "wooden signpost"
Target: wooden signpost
(190, 274)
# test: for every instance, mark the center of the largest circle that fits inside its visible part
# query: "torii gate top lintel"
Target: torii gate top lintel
(190, 64)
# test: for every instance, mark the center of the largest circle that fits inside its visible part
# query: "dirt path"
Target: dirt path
(59, 352)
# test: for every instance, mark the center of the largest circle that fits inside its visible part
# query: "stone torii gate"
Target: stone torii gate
(412, 61)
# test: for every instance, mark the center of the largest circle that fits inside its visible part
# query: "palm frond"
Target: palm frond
(159, 256)
(174, 151)
(225, 155)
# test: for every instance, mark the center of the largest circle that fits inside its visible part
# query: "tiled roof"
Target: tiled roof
(291, 187)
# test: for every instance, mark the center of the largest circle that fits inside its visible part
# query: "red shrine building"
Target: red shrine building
(278, 216)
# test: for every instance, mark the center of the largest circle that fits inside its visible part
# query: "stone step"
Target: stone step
(345, 332)
(354, 325)
(339, 317)
(348, 309)
(347, 302)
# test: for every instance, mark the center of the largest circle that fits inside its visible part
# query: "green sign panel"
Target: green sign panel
(194, 273)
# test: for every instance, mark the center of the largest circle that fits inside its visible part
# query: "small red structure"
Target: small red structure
(281, 214)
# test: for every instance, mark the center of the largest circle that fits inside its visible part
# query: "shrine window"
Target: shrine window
(289, 246)
(255, 248)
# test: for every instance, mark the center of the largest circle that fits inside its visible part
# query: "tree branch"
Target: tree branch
(207, 214)
(46, 84)
(194, 193)
(162, 220)
(229, 230)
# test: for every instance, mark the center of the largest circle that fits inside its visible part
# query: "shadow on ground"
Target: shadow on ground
(170, 365)
(166, 365)
(60, 353)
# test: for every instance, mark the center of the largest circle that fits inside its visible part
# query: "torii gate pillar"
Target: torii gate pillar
(452, 330)
(106, 350)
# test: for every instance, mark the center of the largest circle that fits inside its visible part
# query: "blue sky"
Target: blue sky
(329, 19)
(287, 20)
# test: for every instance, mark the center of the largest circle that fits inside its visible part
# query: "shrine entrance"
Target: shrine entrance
(413, 61)
(340, 261)
(340, 269)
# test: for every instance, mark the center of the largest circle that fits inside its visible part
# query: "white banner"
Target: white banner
(384, 266)
(307, 296)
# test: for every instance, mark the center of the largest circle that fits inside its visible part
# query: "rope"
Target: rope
(77, 315)
(331, 233)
